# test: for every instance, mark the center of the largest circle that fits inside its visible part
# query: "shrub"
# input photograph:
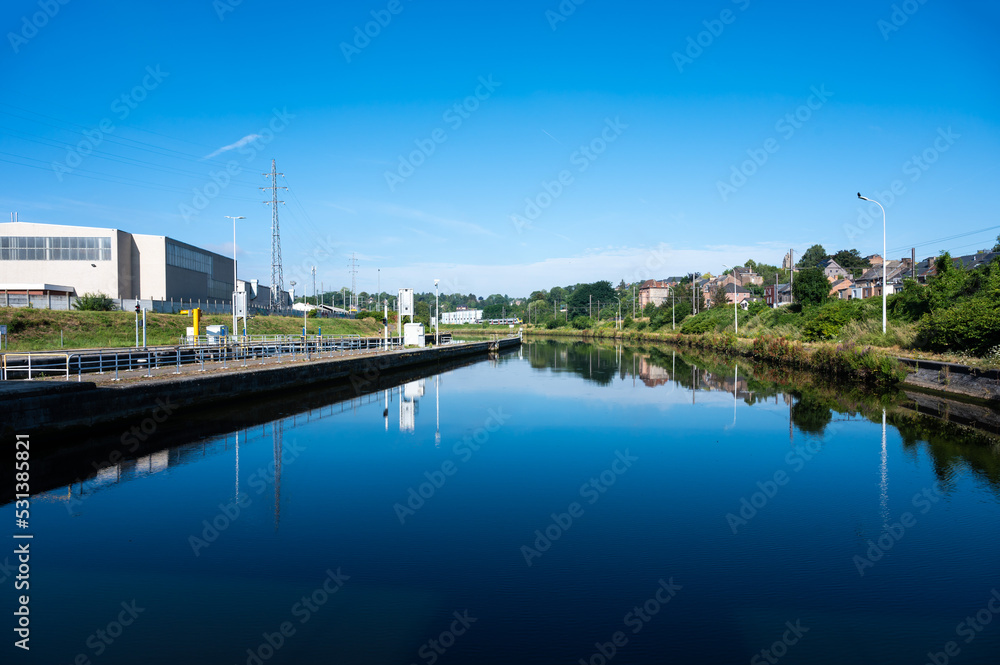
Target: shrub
(552, 324)
(973, 327)
(581, 322)
(94, 302)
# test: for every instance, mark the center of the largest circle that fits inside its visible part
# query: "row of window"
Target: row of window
(41, 248)
(182, 257)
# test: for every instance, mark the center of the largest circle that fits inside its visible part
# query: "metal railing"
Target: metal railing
(227, 351)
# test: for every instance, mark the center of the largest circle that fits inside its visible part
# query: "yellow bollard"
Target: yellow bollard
(196, 314)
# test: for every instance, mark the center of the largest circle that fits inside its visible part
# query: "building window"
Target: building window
(190, 259)
(39, 248)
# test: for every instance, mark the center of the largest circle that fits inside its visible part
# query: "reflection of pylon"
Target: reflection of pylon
(277, 432)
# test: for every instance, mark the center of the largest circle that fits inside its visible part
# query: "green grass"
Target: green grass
(39, 329)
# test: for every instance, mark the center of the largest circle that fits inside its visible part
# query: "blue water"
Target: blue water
(636, 468)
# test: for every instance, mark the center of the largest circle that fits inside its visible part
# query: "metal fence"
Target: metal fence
(168, 359)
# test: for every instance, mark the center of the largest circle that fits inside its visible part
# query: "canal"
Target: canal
(563, 503)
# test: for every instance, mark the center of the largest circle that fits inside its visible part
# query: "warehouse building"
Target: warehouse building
(47, 259)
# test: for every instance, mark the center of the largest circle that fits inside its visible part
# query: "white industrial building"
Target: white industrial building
(462, 316)
(51, 259)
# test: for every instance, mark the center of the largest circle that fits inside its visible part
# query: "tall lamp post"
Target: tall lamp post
(865, 198)
(437, 313)
(736, 323)
(234, 270)
(673, 309)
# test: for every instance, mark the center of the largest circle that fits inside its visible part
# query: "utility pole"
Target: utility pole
(277, 279)
(590, 307)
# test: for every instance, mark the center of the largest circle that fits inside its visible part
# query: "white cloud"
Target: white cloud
(239, 144)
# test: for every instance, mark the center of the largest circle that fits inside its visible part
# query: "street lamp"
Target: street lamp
(865, 198)
(437, 313)
(736, 323)
(234, 269)
(673, 308)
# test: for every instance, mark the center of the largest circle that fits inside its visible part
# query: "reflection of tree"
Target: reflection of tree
(811, 413)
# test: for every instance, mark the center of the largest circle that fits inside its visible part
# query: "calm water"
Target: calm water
(563, 503)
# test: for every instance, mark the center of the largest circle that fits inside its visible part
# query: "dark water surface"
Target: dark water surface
(565, 502)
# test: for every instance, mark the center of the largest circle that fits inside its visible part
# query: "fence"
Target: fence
(235, 352)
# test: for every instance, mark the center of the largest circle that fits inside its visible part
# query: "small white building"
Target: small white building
(462, 316)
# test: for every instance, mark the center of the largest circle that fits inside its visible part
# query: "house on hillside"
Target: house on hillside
(652, 291)
(869, 285)
(746, 276)
(841, 288)
(736, 293)
(832, 270)
(776, 295)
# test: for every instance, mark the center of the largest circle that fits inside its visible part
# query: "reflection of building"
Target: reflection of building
(408, 398)
(652, 374)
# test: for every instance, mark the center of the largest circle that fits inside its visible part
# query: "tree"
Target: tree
(584, 294)
(813, 257)
(719, 299)
(811, 287)
(852, 261)
(996, 247)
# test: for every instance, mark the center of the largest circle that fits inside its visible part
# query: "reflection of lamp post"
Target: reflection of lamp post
(234, 269)
(736, 324)
(865, 198)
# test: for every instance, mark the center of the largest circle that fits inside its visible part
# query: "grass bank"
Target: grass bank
(39, 329)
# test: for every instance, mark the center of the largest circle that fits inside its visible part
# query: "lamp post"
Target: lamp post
(437, 313)
(865, 198)
(673, 308)
(736, 323)
(234, 270)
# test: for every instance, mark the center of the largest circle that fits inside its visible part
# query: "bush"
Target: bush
(552, 324)
(829, 321)
(697, 324)
(973, 327)
(581, 322)
(642, 325)
(94, 302)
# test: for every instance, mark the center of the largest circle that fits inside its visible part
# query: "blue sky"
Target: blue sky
(626, 140)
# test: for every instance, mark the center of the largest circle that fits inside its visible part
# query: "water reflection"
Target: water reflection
(956, 435)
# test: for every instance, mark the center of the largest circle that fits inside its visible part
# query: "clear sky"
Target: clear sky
(605, 140)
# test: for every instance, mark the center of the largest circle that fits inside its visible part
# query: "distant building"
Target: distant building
(462, 315)
(832, 270)
(652, 291)
(776, 295)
